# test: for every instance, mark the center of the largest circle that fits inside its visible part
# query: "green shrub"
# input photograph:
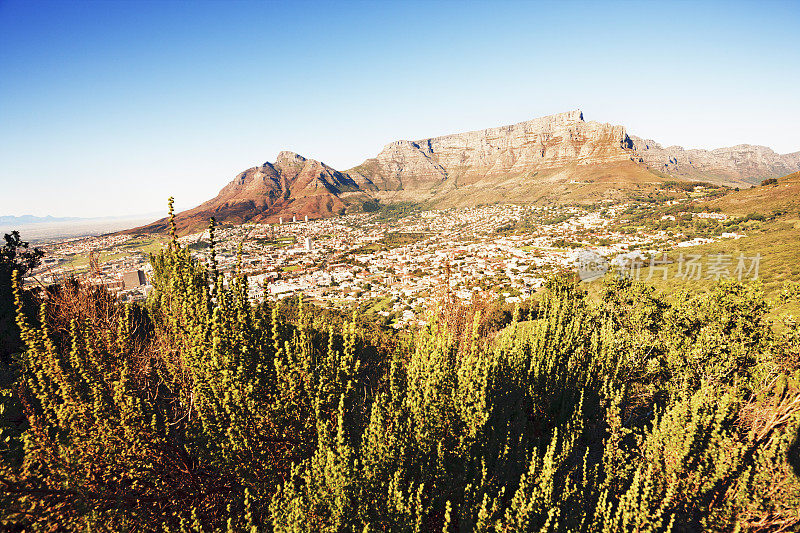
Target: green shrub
(200, 411)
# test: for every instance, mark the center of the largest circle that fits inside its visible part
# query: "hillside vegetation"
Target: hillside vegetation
(201, 412)
(762, 221)
(781, 195)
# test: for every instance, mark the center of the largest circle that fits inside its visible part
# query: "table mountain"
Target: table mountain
(541, 159)
(549, 142)
(552, 159)
(559, 141)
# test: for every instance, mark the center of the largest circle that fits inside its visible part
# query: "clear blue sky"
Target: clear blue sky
(110, 107)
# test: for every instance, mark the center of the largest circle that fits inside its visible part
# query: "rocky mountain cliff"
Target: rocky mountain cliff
(291, 186)
(550, 159)
(745, 162)
(559, 141)
(544, 143)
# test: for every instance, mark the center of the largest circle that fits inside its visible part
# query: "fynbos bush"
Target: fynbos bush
(202, 412)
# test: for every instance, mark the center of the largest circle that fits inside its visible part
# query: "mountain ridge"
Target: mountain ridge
(541, 143)
(291, 186)
(698, 163)
(554, 158)
(33, 219)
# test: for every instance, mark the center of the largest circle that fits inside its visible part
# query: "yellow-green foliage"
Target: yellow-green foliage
(202, 412)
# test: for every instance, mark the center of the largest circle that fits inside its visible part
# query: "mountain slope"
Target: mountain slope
(782, 196)
(292, 186)
(744, 162)
(553, 159)
(550, 142)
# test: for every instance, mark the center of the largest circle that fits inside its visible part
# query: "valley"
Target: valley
(397, 260)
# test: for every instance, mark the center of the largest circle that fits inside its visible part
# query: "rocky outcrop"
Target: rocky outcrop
(292, 186)
(744, 162)
(559, 141)
(543, 143)
(549, 159)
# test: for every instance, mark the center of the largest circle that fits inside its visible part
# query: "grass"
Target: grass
(395, 240)
(390, 241)
(778, 262)
(110, 256)
(144, 244)
(776, 242)
(149, 244)
(768, 215)
(375, 305)
(784, 196)
(280, 242)
(398, 210)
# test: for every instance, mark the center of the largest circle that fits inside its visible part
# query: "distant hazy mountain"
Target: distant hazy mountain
(11, 220)
(553, 159)
(41, 229)
(30, 219)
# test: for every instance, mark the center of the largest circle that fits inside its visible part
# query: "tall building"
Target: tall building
(133, 279)
(309, 244)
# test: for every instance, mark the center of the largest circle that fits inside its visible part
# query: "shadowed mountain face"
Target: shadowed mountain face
(558, 158)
